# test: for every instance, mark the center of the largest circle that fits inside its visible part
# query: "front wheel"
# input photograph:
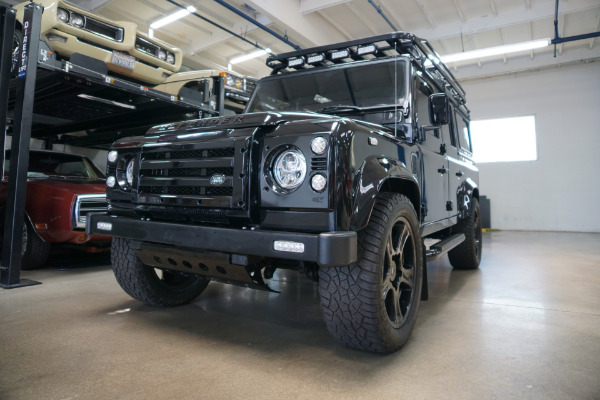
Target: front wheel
(160, 288)
(372, 304)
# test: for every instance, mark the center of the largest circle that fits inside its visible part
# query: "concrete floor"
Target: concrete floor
(524, 326)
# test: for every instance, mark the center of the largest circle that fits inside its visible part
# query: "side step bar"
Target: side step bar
(444, 246)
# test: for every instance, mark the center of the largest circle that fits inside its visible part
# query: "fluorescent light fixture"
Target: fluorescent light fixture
(495, 51)
(249, 56)
(173, 17)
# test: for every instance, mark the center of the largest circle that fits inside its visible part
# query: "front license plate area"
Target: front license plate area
(123, 60)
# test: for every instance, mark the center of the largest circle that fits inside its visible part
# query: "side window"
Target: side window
(452, 126)
(462, 129)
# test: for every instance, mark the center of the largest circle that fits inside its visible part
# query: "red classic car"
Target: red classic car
(61, 189)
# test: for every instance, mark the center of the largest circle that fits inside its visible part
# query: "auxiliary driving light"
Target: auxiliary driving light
(339, 54)
(367, 49)
(315, 58)
(288, 246)
(296, 62)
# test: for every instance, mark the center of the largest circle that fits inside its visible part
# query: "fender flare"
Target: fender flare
(380, 174)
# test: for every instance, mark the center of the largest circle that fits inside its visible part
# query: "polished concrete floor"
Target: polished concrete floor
(524, 326)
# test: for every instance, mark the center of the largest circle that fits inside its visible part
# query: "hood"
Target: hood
(75, 186)
(179, 130)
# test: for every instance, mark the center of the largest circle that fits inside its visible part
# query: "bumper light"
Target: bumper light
(104, 226)
(287, 246)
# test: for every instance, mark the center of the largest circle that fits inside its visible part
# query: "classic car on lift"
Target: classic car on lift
(75, 34)
(61, 189)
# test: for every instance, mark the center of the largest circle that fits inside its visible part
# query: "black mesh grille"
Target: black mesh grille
(197, 174)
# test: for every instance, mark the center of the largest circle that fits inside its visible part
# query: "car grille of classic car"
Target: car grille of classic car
(86, 203)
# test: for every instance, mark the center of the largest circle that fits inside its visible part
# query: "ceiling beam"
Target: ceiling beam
(309, 6)
(541, 9)
(312, 28)
(426, 14)
(493, 7)
(597, 29)
(459, 10)
(543, 59)
(93, 5)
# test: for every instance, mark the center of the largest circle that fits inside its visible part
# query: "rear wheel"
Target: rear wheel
(160, 288)
(372, 304)
(467, 255)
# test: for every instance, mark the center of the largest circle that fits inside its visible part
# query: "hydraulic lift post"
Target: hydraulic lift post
(14, 217)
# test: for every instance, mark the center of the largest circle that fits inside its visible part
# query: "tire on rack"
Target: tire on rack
(467, 255)
(159, 288)
(35, 251)
(372, 304)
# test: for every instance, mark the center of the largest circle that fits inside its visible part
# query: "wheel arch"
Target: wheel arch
(378, 177)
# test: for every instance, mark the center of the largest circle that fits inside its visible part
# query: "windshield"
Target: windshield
(44, 164)
(368, 85)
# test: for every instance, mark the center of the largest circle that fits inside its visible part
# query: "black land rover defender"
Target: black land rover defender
(346, 159)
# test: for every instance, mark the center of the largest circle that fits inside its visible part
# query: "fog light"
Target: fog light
(112, 156)
(110, 181)
(318, 182)
(288, 246)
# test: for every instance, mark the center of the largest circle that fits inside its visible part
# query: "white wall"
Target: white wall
(561, 190)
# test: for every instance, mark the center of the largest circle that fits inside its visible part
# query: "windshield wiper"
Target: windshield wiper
(332, 109)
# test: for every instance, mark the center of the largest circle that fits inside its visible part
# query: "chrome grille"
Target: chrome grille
(87, 203)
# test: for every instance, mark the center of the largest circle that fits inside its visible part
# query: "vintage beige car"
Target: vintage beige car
(69, 30)
(126, 51)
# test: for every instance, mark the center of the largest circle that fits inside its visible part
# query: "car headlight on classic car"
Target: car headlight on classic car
(170, 58)
(62, 15)
(162, 55)
(77, 20)
(289, 169)
(129, 172)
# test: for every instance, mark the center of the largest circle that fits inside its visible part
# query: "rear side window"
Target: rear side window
(464, 135)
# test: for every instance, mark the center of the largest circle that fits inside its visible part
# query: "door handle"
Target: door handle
(460, 173)
(443, 170)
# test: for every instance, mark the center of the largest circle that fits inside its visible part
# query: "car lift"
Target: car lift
(50, 97)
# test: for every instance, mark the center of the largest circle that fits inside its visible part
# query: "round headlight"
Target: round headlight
(162, 55)
(110, 181)
(318, 145)
(318, 182)
(129, 172)
(289, 169)
(112, 156)
(171, 58)
(62, 15)
(77, 20)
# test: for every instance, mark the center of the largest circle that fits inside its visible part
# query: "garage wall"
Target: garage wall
(561, 190)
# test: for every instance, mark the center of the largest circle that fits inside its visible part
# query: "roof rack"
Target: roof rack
(388, 45)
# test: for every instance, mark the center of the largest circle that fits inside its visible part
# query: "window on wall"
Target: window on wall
(504, 139)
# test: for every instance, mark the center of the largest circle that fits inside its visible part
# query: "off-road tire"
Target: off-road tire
(35, 250)
(143, 283)
(467, 255)
(372, 304)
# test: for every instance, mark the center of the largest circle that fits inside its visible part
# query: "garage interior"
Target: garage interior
(526, 324)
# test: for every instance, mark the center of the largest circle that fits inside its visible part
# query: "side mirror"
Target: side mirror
(438, 109)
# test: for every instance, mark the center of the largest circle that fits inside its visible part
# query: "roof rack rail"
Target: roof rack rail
(388, 45)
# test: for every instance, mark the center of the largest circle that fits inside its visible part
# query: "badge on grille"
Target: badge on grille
(217, 179)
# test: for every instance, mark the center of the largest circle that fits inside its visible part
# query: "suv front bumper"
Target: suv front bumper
(329, 249)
